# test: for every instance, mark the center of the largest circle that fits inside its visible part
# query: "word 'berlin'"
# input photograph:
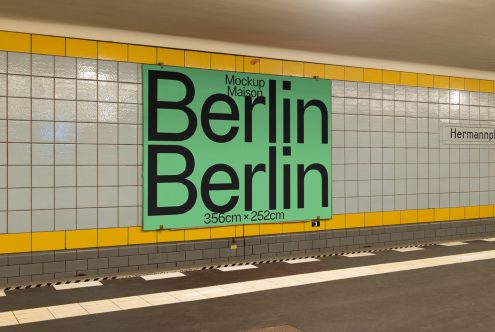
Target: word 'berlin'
(205, 117)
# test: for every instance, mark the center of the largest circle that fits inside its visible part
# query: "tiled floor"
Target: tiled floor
(16, 317)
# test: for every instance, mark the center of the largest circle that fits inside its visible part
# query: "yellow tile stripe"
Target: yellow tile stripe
(92, 238)
(94, 49)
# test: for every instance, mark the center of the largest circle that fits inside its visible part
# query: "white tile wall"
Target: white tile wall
(70, 145)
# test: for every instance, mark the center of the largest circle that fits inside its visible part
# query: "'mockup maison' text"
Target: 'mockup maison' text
(244, 86)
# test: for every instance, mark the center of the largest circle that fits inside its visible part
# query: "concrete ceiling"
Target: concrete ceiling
(458, 33)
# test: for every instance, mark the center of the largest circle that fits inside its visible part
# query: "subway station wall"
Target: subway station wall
(71, 144)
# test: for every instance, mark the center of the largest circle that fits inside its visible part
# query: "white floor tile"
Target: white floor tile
(159, 298)
(408, 249)
(360, 254)
(130, 302)
(166, 275)
(8, 319)
(78, 285)
(237, 268)
(67, 310)
(452, 244)
(301, 260)
(97, 307)
(33, 315)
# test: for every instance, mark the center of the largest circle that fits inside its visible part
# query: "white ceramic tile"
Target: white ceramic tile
(43, 198)
(65, 110)
(65, 88)
(19, 63)
(43, 109)
(42, 87)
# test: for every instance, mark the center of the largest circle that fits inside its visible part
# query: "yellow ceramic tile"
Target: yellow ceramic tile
(48, 45)
(486, 86)
(391, 77)
(170, 57)
(333, 72)
(251, 230)
(391, 217)
(293, 227)
(408, 216)
(309, 228)
(314, 70)
(410, 79)
(11, 243)
(472, 84)
(471, 212)
(456, 213)
(112, 51)
(43, 241)
(353, 74)
(426, 215)
(275, 228)
(142, 54)
(337, 222)
(81, 48)
(271, 66)
(170, 235)
(197, 234)
(442, 214)
(441, 82)
(196, 59)
(425, 80)
(457, 83)
(353, 220)
(373, 219)
(15, 41)
(239, 63)
(223, 62)
(83, 238)
(138, 236)
(239, 230)
(222, 232)
(486, 211)
(251, 65)
(108, 237)
(373, 75)
(293, 68)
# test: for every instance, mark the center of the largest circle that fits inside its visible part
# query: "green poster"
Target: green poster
(225, 148)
